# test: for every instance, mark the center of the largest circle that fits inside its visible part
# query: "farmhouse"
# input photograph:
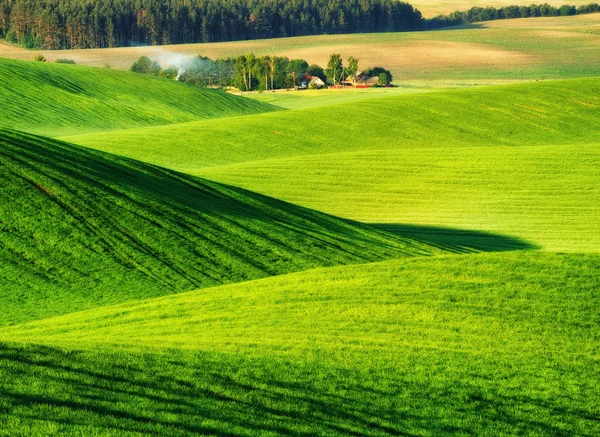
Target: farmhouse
(362, 80)
(310, 81)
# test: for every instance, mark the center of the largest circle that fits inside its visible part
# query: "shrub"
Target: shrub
(379, 71)
(145, 66)
(384, 79)
(65, 61)
(40, 58)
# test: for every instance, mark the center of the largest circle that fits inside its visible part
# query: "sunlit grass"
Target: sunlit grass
(518, 160)
(548, 195)
(475, 344)
(65, 99)
(80, 228)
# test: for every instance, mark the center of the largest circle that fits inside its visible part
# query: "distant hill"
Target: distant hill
(48, 98)
(79, 228)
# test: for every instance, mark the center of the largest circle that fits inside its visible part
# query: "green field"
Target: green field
(515, 160)
(541, 113)
(82, 228)
(309, 99)
(67, 99)
(178, 261)
(503, 344)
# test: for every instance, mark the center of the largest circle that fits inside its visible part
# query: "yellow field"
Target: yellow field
(433, 8)
(499, 51)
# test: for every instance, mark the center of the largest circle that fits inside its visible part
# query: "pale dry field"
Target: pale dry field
(576, 21)
(433, 8)
(499, 51)
(405, 60)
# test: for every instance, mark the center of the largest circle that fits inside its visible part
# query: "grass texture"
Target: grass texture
(60, 99)
(487, 344)
(308, 99)
(518, 160)
(81, 228)
(548, 195)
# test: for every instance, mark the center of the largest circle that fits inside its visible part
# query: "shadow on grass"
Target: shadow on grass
(458, 240)
(464, 26)
(179, 394)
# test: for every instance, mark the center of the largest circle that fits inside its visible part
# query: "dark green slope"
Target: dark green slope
(58, 99)
(80, 228)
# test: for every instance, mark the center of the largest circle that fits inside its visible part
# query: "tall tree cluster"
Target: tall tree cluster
(246, 72)
(65, 24)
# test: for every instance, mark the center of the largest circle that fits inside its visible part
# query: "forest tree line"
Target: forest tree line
(71, 24)
(250, 72)
(75, 24)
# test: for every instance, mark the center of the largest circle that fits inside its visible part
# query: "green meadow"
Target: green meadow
(411, 261)
(82, 228)
(492, 344)
(59, 98)
(515, 160)
(310, 99)
(539, 113)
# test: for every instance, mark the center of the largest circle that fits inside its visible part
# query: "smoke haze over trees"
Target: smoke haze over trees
(66, 24)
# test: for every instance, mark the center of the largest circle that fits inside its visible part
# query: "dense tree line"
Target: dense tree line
(250, 72)
(476, 14)
(65, 24)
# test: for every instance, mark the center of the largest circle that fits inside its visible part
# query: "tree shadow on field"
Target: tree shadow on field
(458, 240)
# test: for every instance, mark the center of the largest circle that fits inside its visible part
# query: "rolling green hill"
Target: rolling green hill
(541, 113)
(487, 344)
(61, 99)
(80, 228)
(518, 160)
(548, 195)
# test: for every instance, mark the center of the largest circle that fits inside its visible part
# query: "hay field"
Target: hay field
(436, 7)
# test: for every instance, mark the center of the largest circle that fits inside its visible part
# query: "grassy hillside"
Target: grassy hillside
(523, 49)
(80, 228)
(545, 113)
(61, 99)
(548, 195)
(520, 160)
(302, 323)
(491, 344)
